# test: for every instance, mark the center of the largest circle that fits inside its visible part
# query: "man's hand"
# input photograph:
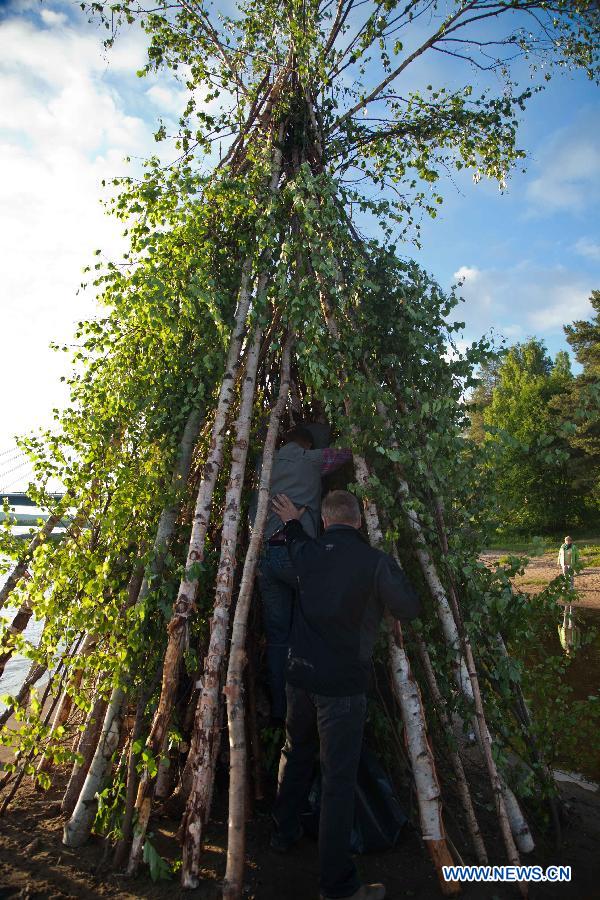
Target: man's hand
(285, 509)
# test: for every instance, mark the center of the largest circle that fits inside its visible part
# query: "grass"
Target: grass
(529, 545)
(590, 554)
(527, 581)
(538, 545)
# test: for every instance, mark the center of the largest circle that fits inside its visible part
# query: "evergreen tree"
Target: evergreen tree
(528, 435)
(582, 405)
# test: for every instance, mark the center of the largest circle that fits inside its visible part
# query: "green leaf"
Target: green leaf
(159, 869)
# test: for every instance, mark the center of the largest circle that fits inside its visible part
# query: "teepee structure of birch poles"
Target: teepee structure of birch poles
(249, 301)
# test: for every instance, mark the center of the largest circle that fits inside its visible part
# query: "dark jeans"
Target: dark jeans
(336, 725)
(277, 583)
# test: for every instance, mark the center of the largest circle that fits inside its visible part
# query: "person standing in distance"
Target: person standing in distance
(568, 560)
(344, 588)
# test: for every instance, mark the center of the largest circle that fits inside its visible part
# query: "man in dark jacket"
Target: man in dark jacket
(297, 473)
(345, 585)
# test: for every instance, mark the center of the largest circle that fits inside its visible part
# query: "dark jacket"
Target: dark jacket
(344, 587)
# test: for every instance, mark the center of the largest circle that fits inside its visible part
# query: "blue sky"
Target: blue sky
(70, 113)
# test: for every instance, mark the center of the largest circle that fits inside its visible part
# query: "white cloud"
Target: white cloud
(523, 299)
(170, 101)
(467, 273)
(567, 302)
(51, 17)
(587, 247)
(64, 126)
(569, 170)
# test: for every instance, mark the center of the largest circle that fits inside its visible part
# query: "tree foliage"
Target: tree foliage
(584, 401)
(299, 123)
(538, 425)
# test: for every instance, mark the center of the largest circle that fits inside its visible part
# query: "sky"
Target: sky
(70, 113)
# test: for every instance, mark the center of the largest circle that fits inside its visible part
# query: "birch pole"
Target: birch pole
(408, 695)
(455, 760)
(20, 569)
(513, 825)
(86, 746)
(206, 724)
(236, 835)
(463, 667)
(185, 604)
(66, 701)
(405, 687)
(77, 831)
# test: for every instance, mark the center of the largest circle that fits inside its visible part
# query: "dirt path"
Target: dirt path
(542, 569)
(34, 865)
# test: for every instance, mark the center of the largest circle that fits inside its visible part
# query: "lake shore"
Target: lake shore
(541, 570)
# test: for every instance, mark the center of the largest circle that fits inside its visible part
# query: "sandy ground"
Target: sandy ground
(34, 863)
(542, 569)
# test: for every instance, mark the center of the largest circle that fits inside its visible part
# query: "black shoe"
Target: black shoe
(281, 844)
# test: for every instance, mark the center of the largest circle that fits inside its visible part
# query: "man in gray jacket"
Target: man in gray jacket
(297, 472)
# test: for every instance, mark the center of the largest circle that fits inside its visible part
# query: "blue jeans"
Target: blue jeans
(277, 583)
(335, 726)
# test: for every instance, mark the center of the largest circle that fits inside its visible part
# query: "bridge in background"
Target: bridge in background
(16, 472)
(22, 499)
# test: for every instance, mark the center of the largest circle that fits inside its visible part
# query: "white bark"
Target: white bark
(77, 829)
(465, 675)
(423, 767)
(429, 799)
(236, 841)
(109, 734)
(207, 736)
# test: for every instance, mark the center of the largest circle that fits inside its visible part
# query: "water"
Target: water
(583, 674)
(584, 671)
(18, 666)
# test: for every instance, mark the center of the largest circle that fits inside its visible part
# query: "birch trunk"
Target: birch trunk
(236, 840)
(122, 845)
(422, 764)
(164, 776)
(66, 701)
(86, 746)
(106, 735)
(465, 675)
(207, 736)
(77, 829)
(406, 689)
(185, 603)
(457, 766)
(463, 668)
(253, 732)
